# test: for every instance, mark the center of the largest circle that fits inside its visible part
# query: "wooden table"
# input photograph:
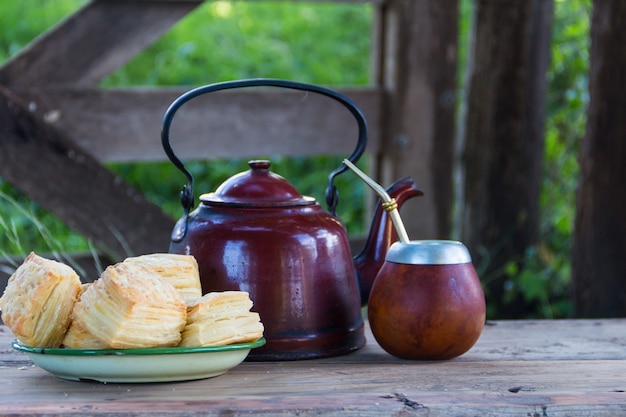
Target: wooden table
(517, 368)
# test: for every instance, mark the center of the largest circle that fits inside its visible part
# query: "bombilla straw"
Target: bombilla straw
(389, 204)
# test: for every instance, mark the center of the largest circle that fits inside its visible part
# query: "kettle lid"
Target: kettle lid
(257, 187)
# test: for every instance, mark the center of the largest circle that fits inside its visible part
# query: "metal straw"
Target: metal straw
(389, 204)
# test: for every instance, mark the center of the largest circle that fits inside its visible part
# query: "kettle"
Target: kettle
(257, 233)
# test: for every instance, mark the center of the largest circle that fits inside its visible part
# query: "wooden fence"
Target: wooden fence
(58, 127)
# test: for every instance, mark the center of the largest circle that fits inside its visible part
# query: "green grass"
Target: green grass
(233, 40)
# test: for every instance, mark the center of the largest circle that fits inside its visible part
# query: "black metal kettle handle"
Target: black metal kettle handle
(332, 195)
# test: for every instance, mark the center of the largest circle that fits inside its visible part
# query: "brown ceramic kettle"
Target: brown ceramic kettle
(256, 233)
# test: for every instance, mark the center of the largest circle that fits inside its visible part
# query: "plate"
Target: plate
(139, 365)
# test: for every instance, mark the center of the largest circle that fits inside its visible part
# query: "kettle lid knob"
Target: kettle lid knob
(259, 164)
(257, 187)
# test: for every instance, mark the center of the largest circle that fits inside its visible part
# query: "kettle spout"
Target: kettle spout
(381, 235)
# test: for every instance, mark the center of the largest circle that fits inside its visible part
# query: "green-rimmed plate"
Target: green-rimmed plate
(139, 365)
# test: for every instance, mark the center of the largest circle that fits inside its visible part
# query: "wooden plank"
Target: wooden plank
(419, 71)
(124, 125)
(93, 42)
(503, 143)
(41, 161)
(506, 373)
(530, 340)
(551, 340)
(381, 404)
(599, 237)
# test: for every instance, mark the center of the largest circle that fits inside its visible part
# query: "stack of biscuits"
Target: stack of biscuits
(145, 301)
(220, 318)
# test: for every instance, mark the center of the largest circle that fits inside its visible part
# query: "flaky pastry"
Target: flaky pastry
(221, 318)
(38, 300)
(77, 337)
(179, 270)
(130, 306)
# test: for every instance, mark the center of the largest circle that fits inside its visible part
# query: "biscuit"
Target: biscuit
(38, 300)
(221, 318)
(179, 270)
(130, 306)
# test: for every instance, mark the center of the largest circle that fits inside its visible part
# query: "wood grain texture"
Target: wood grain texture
(599, 237)
(503, 140)
(48, 167)
(124, 125)
(419, 70)
(526, 368)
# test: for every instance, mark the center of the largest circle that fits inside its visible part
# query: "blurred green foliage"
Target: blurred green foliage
(232, 40)
(22, 21)
(218, 41)
(224, 40)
